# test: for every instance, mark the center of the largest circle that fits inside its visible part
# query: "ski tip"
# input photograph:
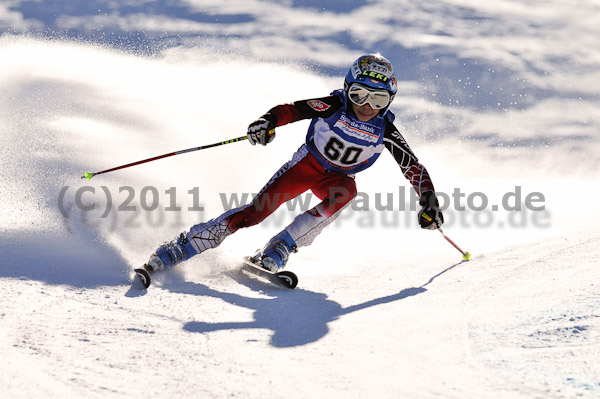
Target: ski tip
(289, 279)
(144, 277)
(466, 256)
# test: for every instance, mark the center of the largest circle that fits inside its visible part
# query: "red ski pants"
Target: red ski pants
(300, 174)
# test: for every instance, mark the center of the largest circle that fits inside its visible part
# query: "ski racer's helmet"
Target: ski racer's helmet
(374, 71)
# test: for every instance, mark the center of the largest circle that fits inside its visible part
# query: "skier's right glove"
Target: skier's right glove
(430, 216)
(262, 130)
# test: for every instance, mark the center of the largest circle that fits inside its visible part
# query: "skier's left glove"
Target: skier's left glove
(430, 216)
(262, 130)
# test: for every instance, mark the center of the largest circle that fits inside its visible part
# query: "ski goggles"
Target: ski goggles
(360, 95)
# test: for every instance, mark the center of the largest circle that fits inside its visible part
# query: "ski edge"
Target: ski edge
(285, 278)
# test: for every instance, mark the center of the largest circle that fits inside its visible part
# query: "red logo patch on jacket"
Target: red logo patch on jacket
(318, 105)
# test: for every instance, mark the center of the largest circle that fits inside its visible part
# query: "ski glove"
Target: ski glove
(261, 131)
(430, 216)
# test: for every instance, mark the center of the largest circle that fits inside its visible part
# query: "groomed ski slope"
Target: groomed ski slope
(509, 325)
(383, 309)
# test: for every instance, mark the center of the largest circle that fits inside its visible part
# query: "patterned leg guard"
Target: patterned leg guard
(209, 235)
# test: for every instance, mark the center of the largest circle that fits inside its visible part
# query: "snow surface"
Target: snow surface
(383, 309)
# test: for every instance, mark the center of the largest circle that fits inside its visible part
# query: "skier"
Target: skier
(348, 131)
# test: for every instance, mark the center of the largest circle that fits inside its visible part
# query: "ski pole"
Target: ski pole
(466, 255)
(89, 175)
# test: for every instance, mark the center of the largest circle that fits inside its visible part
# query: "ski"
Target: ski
(285, 279)
(143, 276)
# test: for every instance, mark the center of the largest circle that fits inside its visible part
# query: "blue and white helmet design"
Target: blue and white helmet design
(372, 70)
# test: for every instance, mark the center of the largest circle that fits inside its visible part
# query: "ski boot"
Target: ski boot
(170, 253)
(275, 254)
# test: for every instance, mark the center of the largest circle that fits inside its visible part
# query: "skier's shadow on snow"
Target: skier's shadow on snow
(296, 317)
